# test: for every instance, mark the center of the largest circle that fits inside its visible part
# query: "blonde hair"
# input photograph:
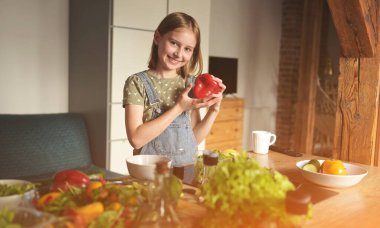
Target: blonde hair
(170, 23)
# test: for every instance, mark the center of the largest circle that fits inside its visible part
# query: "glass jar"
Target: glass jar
(159, 210)
(297, 204)
(210, 161)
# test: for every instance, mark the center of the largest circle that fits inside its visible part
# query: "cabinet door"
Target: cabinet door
(141, 14)
(130, 54)
(117, 122)
(119, 152)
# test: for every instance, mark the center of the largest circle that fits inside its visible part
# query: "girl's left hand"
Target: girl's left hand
(215, 100)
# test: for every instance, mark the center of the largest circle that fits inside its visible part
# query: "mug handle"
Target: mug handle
(273, 136)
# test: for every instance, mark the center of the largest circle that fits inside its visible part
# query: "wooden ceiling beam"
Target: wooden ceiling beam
(355, 23)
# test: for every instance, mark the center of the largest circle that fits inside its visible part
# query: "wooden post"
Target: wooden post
(308, 75)
(356, 117)
(356, 130)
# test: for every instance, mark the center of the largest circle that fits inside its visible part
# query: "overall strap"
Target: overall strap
(149, 89)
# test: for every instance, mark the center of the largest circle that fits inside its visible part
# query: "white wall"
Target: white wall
(250, 31)
(33, 56)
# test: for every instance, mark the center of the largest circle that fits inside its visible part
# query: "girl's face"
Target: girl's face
(175, 49)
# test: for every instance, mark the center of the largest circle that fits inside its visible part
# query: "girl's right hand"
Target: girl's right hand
(186, 103)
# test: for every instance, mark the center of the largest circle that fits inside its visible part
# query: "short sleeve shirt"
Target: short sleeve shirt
(167, 90)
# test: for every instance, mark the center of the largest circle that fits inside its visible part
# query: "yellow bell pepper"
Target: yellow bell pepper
(47, 198)
(90, 211)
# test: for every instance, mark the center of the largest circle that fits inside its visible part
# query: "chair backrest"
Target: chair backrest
(37, 144)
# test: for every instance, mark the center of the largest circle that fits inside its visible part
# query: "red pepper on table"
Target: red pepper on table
(205, 85)
(65, 178)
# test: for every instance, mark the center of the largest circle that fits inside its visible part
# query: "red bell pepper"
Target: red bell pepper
(205, 85)
(63, 179)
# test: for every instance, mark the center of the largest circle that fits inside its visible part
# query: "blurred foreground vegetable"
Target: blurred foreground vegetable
(72, 177)
(6, 218)
(242, 193)
(100, 204)
(15, 189)
(96, 205)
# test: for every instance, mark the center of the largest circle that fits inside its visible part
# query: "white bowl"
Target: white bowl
(16, 200)
(143, 166)
(354, 175)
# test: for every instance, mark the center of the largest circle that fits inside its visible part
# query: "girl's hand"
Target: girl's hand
(217, 98)
(186, 103)
(212, 102)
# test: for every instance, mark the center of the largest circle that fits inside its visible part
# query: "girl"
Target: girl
(160, 116)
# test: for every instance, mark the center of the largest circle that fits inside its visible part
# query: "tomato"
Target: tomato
(74, 218)
(205, 85)
(335, 167)
(69, 177)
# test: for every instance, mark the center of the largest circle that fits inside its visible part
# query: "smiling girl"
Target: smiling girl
(160, 116)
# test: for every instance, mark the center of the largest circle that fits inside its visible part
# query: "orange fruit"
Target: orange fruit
(335, 167)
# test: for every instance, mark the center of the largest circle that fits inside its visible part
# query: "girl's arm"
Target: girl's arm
(140, 133)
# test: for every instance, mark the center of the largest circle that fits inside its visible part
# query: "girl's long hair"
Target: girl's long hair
(170, 23)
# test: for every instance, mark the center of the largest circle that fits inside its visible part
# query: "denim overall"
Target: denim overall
(177, 141)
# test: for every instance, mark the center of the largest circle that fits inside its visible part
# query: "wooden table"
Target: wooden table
(356, 206)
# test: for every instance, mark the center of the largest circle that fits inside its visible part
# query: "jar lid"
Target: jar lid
(297, 202)
(162, 167)
(210, 158)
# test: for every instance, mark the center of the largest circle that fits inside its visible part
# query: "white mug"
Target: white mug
(261, 140)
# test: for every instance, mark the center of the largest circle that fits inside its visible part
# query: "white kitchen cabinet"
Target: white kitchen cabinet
(118, 156)
(130, 54)
(109, 41)
(117, 122)
(141, 14)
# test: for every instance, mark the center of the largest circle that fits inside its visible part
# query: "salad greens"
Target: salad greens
(15, 189)
(112, 219)
(128, 198)
(6, 219)
(242, 192)
(225, 155)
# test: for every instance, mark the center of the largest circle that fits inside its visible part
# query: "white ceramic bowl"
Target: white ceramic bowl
(16, 200)
(143, 166)
(354, 175)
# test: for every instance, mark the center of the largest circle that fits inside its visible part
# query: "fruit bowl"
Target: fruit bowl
(354, 175)
(143, 166)
(20, 199)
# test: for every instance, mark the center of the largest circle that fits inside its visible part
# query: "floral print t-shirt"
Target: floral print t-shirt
(167, 89)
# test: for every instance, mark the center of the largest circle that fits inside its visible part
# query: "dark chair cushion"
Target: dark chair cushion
(40, 144)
